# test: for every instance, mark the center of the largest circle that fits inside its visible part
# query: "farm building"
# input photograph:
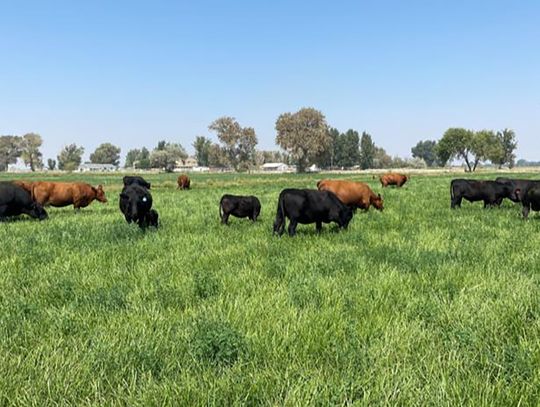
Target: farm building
(275, 167)
(91, 167)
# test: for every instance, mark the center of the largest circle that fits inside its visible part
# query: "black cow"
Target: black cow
(518, 184)
(136, 180)
(310, 206)
(491, 192)
(136, 205)
(239, 206)
(15, 200)
(530, 199)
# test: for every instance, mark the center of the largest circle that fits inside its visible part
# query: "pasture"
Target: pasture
(417, 305)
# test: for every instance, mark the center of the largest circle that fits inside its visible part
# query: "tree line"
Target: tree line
(304, 137)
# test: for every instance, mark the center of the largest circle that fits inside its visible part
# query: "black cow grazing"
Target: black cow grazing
(134, 179)
(239, 206)
(310, 206)
(491, 192)
(518, 184)
(530, 199)
(136, 205)
(14, 201)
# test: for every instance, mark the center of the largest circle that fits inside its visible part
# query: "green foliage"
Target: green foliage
(367, 151)
(70, 157)
(427, 151)
(343, 151)
(166, 155)
(456, 142)
(238, 143)
(503, 151)
(217, 343)
(202, 147)
(303, 135)
(30, 153)
(10, 151)
(106, 153)
(51, 164)
(139, 159)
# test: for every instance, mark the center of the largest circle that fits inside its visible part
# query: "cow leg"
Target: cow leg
(318, 227)
(455, 202)
(279, 226)
(292, 227)
(225, 219)
(525, 211)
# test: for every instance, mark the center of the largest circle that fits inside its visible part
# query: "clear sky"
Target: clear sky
(133, 72)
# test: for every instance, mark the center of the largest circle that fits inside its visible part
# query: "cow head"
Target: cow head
(100, 194)
(37, 211)
(517, 195)
(377, 202)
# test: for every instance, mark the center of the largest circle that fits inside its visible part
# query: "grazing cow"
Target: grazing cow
(134, 179)
(14, 200)
(136, 205)
(183, 182)
(393, 179)
(310, 206)
(239, 206)
(490, 192)
(530, 199)
(59, 194)
(353, 194)
(521, 184)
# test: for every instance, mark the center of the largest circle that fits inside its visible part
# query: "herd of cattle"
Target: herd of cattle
(332, 201)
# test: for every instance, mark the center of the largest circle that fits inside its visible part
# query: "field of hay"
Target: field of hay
(415, 305)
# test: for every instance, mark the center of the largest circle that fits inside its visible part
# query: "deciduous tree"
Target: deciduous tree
(202, 150)
(30, 153)
(304, 135)
(10, 151)
(427, 151)
(367, 151)
(106, 153)
(70, 157)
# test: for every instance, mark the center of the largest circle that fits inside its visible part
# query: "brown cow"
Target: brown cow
(353, 194)
(59, 194)
(393, 179)
(26, 185)
(183, 182)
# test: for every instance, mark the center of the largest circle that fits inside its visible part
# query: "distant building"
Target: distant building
(90, 167)
(187, 164)
(275, 167)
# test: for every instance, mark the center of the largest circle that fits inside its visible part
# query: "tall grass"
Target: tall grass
(417, 305)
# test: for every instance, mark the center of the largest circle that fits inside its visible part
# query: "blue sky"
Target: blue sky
(133, 73)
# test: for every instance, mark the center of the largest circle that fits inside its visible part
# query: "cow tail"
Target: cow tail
(280, 215)
(318, 184)
(452, 189)
(221, 209)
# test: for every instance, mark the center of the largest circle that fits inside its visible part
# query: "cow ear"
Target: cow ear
(123, 196)
(100, 187)
(517, 192)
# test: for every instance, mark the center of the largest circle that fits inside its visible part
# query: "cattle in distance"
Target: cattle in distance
(490, 192)
(307, 206)
(393, 179)
(353, 194)
(15, 200)
(239, 206)
(183, 182)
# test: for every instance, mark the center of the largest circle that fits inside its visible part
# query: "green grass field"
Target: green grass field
(417, 305)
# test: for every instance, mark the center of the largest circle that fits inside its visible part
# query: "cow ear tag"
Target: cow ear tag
(144, 199)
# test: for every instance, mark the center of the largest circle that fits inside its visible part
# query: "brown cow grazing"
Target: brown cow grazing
(353, 194)
(393, 179)
(183, 182)
(78, 194)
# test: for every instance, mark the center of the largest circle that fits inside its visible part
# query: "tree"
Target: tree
(483, 145)
(216, 156)
(202, 150)
(51, 164)
(10, 151)
(381, 159)
(427, 151)
(304, 135)
(30, 153)
(503, 153)
(456, 142)
(347, 151)
(238, 142)
(367, 151)
(106, 153)
(166, 155)
(70, 157)
(139, 159)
